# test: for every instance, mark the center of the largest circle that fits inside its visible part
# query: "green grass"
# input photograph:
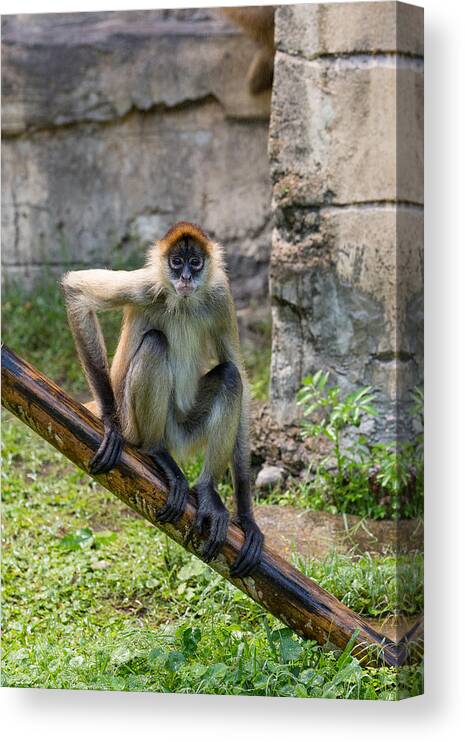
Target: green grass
(372, 586)
(257, 358)
(94, 597)
(35, 326)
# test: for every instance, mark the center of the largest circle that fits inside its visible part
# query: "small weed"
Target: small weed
(374, 480)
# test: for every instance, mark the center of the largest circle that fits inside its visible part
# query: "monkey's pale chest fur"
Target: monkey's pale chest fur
(187, 358)
(189, 351)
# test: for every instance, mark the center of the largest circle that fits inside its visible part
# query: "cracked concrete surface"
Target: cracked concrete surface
(346, 153)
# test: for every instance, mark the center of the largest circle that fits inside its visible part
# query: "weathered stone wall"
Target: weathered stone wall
(346, 148)
(116, 125)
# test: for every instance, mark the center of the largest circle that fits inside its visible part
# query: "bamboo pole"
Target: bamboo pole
(285, 592)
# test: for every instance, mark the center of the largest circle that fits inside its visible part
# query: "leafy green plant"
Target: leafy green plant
(85, 538)
(377, 480)
(335, 413)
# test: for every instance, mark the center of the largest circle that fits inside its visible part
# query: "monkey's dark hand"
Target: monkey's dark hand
(109, 451)
(249, 555)
(212, 519)
(176, 501)
(177, 482)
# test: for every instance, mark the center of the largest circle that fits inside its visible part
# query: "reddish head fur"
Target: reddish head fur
(184, 229)
(157, 255)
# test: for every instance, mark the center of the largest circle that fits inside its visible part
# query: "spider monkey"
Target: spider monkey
(257, 22)
(177, 382)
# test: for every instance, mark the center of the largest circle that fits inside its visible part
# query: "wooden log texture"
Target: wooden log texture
(297, 601)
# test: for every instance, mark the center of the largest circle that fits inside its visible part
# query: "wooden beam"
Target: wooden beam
(285, 592)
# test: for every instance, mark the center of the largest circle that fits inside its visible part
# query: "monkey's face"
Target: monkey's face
(186, 263)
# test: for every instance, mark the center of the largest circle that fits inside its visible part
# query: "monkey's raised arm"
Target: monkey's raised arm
(87, 292)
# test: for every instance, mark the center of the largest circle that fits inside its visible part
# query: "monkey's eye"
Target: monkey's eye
(176, 262)
(196, 263)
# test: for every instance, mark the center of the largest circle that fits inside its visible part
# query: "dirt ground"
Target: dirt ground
(316, 534)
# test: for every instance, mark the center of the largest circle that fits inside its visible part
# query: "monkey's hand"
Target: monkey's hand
(212, 519)
(177, 482)
(109, 451)
(176, 501)
(249, 555)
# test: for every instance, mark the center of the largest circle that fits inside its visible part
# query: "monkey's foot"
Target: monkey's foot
(249, 555)
(175, 503)
(108, 453)
(212, 519)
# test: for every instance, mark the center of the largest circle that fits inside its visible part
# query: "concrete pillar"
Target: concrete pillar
(346, 150)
